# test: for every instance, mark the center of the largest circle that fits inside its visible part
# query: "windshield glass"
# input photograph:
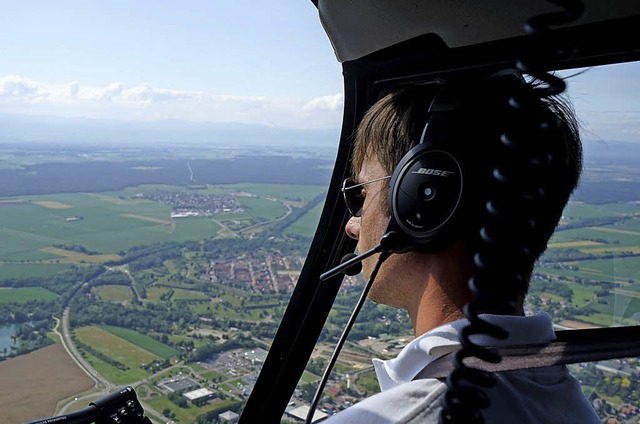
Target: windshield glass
(163, 169)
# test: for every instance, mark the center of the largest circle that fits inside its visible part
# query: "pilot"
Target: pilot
(432, 284)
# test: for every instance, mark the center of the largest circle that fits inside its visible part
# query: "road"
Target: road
(102, 386)
(100, 382)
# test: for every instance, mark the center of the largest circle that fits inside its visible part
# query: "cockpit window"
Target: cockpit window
(589, 276)
(163, 170)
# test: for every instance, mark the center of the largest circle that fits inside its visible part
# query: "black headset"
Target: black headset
(427, 185)
(430, 192)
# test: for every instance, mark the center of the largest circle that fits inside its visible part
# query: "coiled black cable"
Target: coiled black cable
(504, 245)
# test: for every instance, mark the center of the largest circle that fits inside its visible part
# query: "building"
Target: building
(256, 356)
(228, 417)
(177, 384)
(199, 394)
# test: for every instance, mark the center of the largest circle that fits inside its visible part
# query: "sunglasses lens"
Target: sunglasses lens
(353, 197)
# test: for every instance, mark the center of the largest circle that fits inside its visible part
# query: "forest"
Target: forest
(49, 178)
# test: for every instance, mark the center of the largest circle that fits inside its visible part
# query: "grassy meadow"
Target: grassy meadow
(127, 347)
(19, 270)
(307, 223)
(113, 293)
(115, 346)
(25, 294)
(36, 228)
(610, 256)
(141, 340)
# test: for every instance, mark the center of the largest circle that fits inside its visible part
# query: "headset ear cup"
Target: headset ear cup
(425, 192)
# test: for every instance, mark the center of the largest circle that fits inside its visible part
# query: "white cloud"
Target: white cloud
(74, 88)
(14, 86)
(328, 103)
(148, 102)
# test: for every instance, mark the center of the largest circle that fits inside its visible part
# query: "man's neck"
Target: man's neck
(434, 309)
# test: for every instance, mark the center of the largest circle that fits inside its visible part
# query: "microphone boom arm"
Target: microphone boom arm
(343, 267)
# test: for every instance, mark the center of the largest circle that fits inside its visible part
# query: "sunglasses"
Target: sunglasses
(354, 196)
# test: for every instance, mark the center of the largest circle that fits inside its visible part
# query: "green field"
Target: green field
(113, 222)
(306, 225)
(620, 307)
(154, 294)
(367, 382)
(263, 209)
(585, 210)
(150, 188)
(614, 270)
(21, 295)
(309, 377)
(10, 271)
(115, 347)
(114, 293)
(582, 295)
(221, 311)
(190, 414)
(214, 376)
(280, 191)
(602, 234)
(141, 340)
(621, 270)
(630, 225)
(106, 226)
(113, 374)
(614, 243)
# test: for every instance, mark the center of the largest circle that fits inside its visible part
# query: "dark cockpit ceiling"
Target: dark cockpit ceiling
(357, 28)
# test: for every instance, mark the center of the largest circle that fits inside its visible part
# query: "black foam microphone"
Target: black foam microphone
(391, 242)
(354, 269)
(350, 263)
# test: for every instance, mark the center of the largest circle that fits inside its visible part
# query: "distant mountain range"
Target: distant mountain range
(113, 133)
(598, 152)
(24, 128)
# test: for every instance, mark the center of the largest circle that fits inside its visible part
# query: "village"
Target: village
(186, 203)
(265, 274)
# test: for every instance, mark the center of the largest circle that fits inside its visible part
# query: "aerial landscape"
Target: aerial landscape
(167, 196)
(170, 274)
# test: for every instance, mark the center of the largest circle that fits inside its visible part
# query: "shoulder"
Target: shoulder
(522, 396)
(413, 402)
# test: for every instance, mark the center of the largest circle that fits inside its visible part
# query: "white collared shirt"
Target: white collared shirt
(535, 396)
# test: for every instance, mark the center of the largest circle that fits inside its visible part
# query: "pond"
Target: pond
(6, 331)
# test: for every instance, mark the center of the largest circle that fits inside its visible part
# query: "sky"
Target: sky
(241, 61)
(266, 62)
(607, 101)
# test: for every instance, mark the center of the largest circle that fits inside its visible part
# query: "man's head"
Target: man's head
(394, 124)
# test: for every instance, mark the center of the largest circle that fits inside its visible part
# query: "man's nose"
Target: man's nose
(353, 227)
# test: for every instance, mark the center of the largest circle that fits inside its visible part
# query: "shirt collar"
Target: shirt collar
(444, 339)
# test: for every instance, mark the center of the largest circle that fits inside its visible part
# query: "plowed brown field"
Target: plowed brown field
(31, 385)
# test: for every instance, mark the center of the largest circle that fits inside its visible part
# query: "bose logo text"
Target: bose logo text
(437, 172)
